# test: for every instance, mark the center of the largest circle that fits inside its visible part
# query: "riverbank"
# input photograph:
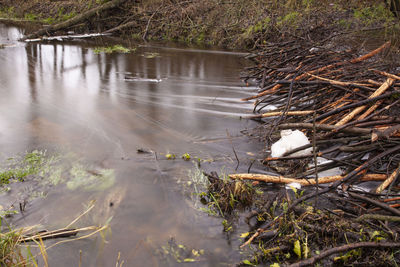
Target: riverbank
(282, 227)
(235, 24)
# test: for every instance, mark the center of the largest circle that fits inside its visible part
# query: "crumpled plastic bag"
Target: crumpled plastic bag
(289, 141)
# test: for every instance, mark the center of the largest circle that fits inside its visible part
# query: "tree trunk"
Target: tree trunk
(75, 20)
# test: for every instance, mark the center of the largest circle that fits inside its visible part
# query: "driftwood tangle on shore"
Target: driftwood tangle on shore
(349, 107)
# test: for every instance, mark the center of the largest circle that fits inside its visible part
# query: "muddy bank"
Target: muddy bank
(234, 24)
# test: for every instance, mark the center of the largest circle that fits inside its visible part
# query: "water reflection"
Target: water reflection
(103, 107)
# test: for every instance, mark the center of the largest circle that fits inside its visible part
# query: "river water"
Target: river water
(100, 108)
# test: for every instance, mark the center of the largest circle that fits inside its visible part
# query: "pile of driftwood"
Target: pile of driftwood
(348, 106)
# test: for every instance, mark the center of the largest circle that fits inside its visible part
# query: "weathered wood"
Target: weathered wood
(279, 113)
(376, 203)
(388, 181)
(321, 69)
(352, 105)
(66, 37)
(44, 235)
(75, 20)
(122, 26)
(303, 182)
(325, 127)
(356, 111)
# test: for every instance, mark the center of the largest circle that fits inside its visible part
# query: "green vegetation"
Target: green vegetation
(299, 234)
(290, 20)
(7, 12)
(63, 16)
(84, 179)
(19, 168)
(49, 14)
(46, 170)
(374, 15)
(31, 17)
(253, 22)
(53, 170)
(150, 55)
(170, 156)
(258, 27)
(9, 252)
(113, 49)
(223, 197)
(186, 156)
(173, 253)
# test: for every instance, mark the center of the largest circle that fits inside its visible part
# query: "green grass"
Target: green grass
(9, 251)
(374, 14)
(31, 17)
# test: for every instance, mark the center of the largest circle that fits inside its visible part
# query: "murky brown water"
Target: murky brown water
(102, 107)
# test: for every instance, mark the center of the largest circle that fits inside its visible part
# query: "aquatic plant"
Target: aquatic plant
(174, 252)
(113, 49)
(225, 196)
(19, 168)
(85, 179)
(186, 156)
(170, 156)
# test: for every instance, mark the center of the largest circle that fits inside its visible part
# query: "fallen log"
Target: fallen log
(75, 20)
(304, 182)
(44, 235)
(66, 37)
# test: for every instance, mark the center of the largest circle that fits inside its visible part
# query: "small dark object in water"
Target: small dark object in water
(142, 150)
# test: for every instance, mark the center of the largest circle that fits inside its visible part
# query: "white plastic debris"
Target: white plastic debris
(289, 141)
(366, 156)
(314, 49)
(293, 186)
(329, 172)
(270, 108)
